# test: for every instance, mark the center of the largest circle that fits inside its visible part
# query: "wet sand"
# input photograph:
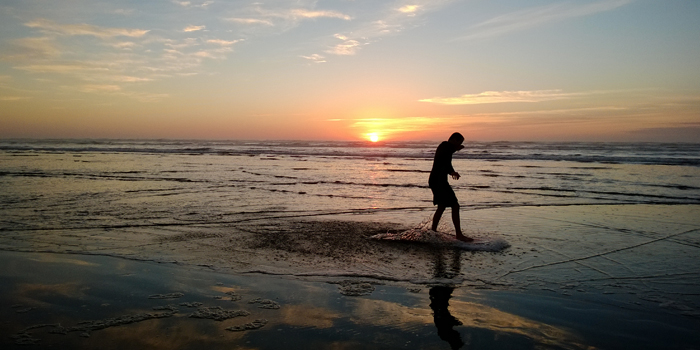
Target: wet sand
(608, 277)
(81, 302)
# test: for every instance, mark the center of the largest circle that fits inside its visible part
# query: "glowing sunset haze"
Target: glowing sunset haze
(614, 70)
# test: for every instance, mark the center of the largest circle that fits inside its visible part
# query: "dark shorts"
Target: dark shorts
(444, 195)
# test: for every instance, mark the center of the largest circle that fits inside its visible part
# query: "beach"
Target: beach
(145, 243)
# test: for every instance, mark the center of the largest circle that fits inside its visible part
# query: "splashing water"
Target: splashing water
(422, 233)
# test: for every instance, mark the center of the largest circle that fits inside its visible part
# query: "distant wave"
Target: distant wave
(602, 153)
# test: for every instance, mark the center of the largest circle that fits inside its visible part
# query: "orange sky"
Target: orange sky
(618, 70)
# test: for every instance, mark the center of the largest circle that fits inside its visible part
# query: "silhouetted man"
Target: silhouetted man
(443, 195)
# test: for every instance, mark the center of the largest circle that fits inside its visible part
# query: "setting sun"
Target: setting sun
(373, 136)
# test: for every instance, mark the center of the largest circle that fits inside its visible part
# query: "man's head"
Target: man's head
(456, 139)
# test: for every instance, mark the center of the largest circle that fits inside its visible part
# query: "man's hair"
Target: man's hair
(456, 137)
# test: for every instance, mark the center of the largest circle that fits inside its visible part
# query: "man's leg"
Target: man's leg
(458, 225)
(437, 216)
(455, 220)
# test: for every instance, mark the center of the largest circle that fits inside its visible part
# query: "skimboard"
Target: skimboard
(427, 236)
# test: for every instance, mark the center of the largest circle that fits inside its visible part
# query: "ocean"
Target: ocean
(608, 223)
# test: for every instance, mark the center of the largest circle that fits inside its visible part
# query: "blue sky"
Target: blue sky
(616, 70)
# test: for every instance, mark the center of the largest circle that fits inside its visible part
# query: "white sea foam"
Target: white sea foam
(423, 234)
(591, 152)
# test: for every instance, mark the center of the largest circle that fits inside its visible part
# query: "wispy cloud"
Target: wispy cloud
(469, 121)
(265, 19)
(302, 13)
(394, 126)
(179, 44)
(525, 96)
(202, 4)
(9, 92)
(60, 68)
(629, 109)
(270, 17)
(284, 18)
(559, 112)
(83, 29)
(532, 17)
(147, 97)
(251, 21)
(29, 49)
(116, 90)
(127, 79)
(502, 97)
(193, 28)
(395, 18)
(316, 58)
(411, 9)
(297, 14)
(127, 45)
(113, 66)
(124, 12)
(347, 47)
(218, 54)
(223, 42)
(13, 98)
(100, 88)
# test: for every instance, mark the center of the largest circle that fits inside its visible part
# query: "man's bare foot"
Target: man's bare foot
(464, 238)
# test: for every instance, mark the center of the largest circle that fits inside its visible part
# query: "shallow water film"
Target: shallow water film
(600, 244)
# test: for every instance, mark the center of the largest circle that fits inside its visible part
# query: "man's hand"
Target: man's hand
(455, 175)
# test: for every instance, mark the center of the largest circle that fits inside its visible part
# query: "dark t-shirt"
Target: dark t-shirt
(442, 164)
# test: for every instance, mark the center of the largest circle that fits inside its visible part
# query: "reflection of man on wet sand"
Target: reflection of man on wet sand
(440, 300)
(444, 321)
(443, 195)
